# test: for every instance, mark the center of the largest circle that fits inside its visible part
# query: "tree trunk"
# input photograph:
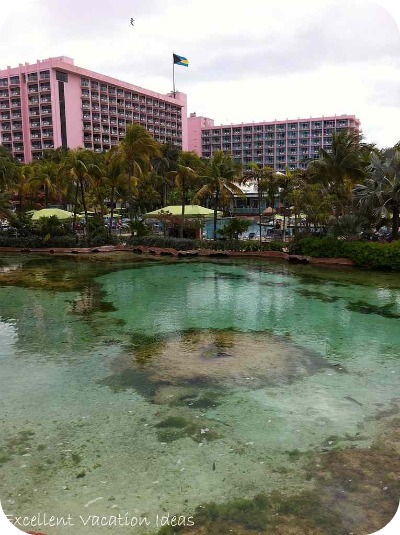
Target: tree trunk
(395, 228)
(112, 209)
(259, 211)
(75, 207)
(215, 212)
(284, 222)
(84, 205)
(130, 204)
(183, 209)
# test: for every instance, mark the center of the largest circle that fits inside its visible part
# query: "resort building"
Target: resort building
(53, 103)
(275, 144)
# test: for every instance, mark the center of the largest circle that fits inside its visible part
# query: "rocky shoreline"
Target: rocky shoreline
(161, 251)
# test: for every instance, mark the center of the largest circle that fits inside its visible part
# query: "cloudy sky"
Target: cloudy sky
(250, 60)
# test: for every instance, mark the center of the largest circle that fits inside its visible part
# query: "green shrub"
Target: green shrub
(374, 255)
(180, 244)
(68, 241)
(363, 254)
(319, 247)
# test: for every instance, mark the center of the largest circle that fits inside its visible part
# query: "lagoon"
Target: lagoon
(143, 387)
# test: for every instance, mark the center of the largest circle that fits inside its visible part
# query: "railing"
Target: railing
(247, 210)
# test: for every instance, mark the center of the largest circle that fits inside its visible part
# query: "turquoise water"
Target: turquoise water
(154, 387)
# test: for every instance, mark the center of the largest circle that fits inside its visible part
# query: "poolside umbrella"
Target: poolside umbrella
(268, 211)
(62, 215)
(191, 210)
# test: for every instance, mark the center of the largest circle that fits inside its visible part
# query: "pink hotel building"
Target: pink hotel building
(273, 144)
(53, 103)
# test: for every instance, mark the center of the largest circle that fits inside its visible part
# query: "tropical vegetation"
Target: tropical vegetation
(350, 193)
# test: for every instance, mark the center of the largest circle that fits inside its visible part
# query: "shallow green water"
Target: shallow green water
(157, 387)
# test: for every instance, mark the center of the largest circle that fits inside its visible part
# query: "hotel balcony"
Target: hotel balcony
(48, 145)
(48, 134)
(45, 111)
(7, 138)
(47, 122)
(45, 87)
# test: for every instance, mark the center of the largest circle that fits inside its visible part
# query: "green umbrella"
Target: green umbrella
(62, 215)
(191, 210)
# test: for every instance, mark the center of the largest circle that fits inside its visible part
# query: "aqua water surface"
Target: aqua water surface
(154, 387)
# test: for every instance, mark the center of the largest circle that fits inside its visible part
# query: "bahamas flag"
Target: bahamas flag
(180, 60)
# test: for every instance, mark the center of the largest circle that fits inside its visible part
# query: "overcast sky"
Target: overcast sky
(250, 60)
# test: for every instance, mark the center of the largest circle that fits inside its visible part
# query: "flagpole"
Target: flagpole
(173, 75)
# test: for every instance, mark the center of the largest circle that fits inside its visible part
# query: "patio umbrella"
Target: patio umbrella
(191, 210)
(62, 215)
(268, 211)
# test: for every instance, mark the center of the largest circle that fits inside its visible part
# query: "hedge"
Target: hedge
(184, 244)
(38, 242)
(364, 254)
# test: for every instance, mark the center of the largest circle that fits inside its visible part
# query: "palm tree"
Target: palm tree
(263, 177)
(342, 167)
(137, 149)
(8, 170)
(221, 171)
(44, 174)
(165, 164)
(115, 176)
(183, 177)
(287, 183)
(24, 185)
(79, 168)
(381, 190)
(6, 206)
